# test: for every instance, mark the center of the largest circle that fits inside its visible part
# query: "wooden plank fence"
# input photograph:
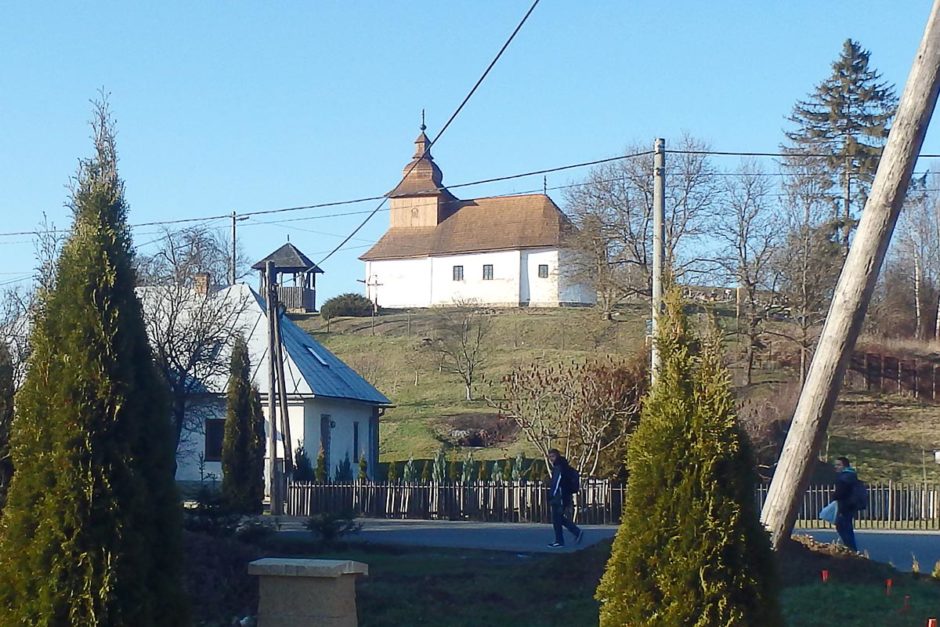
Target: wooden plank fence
(887, 374)
(891, 505)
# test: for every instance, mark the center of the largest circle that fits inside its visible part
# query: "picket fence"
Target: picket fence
(891, 506)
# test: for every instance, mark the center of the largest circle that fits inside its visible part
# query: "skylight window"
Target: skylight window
(317, 356)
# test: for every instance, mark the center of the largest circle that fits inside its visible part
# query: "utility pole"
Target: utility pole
(270, 294)
(282, 389)
(856, 284)
(373, 282)
(659, 214)
(232, 276)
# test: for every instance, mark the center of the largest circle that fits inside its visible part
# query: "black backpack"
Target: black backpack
(572, 480)
(859, 496)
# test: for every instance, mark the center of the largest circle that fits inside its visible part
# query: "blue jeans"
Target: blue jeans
(559, 521)
(846, 530)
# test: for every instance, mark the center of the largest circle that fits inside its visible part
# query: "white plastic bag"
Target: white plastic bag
(828, 513)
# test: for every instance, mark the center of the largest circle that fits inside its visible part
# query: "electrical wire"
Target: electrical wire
(443, 128)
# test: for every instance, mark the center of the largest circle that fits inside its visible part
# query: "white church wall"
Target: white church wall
(502, 290)
(399, 283)
(570, 290)
(540, 291)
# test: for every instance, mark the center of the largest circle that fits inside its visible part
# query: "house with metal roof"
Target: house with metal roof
(330, 406)
(505, 251)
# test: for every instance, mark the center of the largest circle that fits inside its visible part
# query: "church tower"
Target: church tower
(421, 200)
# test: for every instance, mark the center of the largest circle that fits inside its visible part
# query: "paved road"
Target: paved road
(895, 547)
(516, 537)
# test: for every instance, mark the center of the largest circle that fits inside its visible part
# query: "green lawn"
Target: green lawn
(456, 588)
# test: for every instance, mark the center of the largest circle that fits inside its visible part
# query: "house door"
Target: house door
(326, 424)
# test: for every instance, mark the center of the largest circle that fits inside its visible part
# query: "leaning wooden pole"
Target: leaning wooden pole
(856, 283)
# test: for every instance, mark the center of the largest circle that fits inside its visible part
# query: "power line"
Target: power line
(456, 186)
(443, 128)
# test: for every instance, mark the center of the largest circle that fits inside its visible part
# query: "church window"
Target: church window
(487, 272)
(543, 270)
(458, 273)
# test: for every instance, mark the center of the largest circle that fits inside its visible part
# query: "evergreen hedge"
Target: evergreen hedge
(91, 533)
(690, 549)
(243, 441)
(349, 304)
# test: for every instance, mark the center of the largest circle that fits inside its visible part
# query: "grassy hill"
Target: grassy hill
(891, 437)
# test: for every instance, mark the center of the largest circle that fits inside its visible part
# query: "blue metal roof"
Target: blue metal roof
(324, 372)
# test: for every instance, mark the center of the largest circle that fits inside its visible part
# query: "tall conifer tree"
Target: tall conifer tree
(690, 549)
(243, 443)
(846, 118)
(91, 534)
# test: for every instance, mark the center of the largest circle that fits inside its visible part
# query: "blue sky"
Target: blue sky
(254, 106)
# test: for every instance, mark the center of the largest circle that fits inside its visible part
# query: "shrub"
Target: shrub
(320, 472)
(690, 549)
(348, 304)
(392, 472)
(363, 468)
(212, 515)
(343, 472)
(329, 527)
(216, 578)
(303, 468)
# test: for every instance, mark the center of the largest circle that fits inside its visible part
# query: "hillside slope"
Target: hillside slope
(892, 437)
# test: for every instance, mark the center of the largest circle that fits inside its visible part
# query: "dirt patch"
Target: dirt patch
(801, 561)
(479, 429)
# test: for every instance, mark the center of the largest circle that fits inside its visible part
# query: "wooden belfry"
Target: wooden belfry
(298, 293)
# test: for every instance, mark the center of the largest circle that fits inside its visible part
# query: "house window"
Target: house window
(356, 440)
(543, 270)
(215, 432)
(458, 273)
(487, 272)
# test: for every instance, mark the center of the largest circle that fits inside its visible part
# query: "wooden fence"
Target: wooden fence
(891, 505)
(887, 374)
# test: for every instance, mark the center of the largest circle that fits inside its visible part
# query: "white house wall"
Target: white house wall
(399, 283)
(501, 290)
(343, 415)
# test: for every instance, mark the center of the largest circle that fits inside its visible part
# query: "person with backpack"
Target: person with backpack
(847, 496)
(561, 489)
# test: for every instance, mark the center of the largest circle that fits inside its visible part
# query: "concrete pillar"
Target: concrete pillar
(302, 592)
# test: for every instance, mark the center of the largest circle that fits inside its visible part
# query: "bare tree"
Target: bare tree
(582, 409)
(188, 251)
(918, 251)
(460, 337)
(191, 327)
(808, 263)
(613, 210)
(749, 233)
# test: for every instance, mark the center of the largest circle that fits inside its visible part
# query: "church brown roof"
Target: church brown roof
(482, 224)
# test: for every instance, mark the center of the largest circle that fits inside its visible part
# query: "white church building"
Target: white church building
(505, 251)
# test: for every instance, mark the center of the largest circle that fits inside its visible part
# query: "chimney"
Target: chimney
(201, 283)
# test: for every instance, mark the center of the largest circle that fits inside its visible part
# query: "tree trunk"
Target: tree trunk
(918, 277)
